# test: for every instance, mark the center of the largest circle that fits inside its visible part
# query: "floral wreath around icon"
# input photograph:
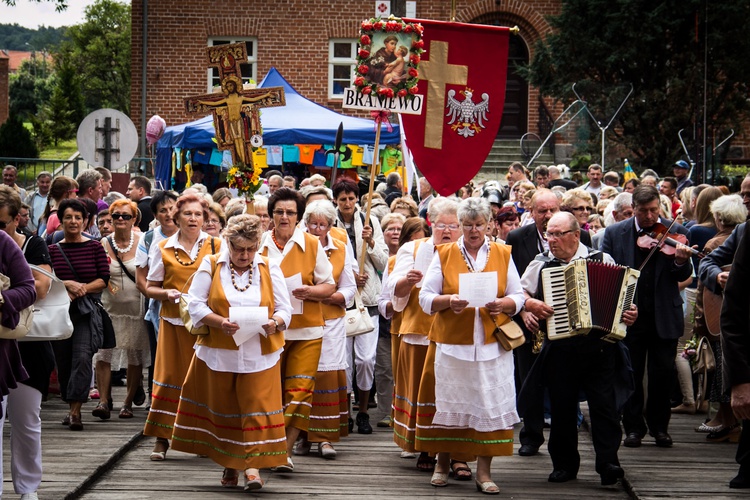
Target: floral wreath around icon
(392, 25)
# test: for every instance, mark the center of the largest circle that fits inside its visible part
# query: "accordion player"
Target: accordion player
(589, 298)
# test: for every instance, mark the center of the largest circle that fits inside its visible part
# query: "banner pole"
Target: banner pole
(373, 173)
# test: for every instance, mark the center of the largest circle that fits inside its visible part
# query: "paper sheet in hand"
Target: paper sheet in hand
(292, 283)
(251, 321)
(477, 288)
(422, 261)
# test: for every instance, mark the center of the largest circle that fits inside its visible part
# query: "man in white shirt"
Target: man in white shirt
(594, 185)
(37, 200)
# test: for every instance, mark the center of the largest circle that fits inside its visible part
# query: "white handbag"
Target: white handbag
(24, 322)
(51, 316)
(358, 319)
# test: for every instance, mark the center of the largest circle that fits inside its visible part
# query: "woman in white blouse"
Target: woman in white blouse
(467, 375)
(230, 408)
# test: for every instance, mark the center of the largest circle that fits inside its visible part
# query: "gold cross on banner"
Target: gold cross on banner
(439, 74)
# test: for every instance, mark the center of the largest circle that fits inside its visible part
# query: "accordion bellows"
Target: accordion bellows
(589, 298)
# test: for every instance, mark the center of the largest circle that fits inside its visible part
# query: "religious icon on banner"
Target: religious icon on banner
(388, 57)
(464, 93)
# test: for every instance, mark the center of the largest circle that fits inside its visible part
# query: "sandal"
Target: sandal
(327, 450)
(425, 462)
(160, 450)
(704, 427)
(439, 479)
(488, 488)
(253, 482)
(102, 411)
(460, 471)
(229, 478)
(126, 412)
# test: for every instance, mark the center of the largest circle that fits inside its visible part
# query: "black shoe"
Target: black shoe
(663, 440)
(363, 423)
(561, 476)
(740, 481)
(351, 425)
(611, 473)
(528, 450)
(633, 440)
(140, 396)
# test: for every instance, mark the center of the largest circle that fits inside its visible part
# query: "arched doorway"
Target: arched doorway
(516, 110)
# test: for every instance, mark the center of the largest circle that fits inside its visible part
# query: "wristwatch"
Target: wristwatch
(275, 323)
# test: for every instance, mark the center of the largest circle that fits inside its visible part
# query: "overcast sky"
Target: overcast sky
(34, 14)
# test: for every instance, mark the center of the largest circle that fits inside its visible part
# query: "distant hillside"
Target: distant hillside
(15, 37)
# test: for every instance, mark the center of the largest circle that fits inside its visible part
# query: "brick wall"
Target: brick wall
(4, 103)
(292, 36)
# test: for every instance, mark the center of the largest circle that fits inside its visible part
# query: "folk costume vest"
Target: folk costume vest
(337, 258)
(176, 274)
(451, 328)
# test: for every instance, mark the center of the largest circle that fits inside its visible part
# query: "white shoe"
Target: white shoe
(408, 454)
(327, 450)
(30, 496)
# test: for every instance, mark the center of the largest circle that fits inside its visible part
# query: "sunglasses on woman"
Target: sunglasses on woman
(116, 216)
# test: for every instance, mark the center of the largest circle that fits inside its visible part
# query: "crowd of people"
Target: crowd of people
(238, 311)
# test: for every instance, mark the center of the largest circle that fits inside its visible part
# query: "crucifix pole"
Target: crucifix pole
(373, 173)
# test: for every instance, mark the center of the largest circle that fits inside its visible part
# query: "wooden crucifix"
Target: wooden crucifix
(236, 111)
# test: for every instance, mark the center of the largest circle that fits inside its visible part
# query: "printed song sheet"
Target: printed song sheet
(292, 283)
(477, 288)
(251, 321)
(422, 261)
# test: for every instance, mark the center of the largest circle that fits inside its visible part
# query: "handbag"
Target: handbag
(358, 319)
(24, 322)
(704, 357)
(51, 317)
(509, 335)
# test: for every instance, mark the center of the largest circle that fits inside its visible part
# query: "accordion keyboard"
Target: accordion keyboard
(553, 286)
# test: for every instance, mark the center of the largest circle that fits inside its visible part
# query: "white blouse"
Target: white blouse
(432, 286)
(248, 358)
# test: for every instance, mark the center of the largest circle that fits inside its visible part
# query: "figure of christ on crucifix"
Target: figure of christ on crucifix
(236, 114)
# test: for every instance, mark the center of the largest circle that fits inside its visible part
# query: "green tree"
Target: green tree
(666, 49)
(100, 50)
(16, 140)
(65, 109)
(60, 5)
(30, 87)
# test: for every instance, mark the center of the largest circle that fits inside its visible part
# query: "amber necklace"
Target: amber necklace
(273, 237)
(468, 262)
(234, 282)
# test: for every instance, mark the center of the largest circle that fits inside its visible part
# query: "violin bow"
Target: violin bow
(658, 244)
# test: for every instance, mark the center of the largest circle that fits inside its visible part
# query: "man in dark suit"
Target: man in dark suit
(139, 191)
(526, 243)
(735, 334)
(653, 336)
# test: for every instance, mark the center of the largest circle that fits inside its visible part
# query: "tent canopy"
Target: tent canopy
(301, 121)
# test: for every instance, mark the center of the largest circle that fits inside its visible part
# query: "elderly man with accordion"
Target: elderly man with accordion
(578, 355)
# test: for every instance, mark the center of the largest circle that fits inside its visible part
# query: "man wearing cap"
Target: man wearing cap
(681, 169)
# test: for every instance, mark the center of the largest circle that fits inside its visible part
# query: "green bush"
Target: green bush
(16, 141)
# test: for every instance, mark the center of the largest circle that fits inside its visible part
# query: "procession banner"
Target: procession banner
(462, 77)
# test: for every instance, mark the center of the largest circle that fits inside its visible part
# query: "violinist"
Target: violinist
(660, 320)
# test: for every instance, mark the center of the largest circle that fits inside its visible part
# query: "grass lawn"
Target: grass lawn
(63, 150)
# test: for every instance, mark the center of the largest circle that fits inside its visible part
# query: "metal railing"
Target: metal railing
(546, 124)
(29, 168)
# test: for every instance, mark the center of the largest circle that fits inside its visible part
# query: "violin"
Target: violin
(660, 236)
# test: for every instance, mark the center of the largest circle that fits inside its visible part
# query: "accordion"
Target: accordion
(588, 298)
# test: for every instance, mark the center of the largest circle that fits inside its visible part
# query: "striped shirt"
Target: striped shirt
(88, 258)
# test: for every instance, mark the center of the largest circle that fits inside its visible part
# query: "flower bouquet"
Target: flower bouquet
(245, 179)
(690, 351)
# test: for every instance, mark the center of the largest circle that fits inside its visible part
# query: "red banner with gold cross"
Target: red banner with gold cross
(462, 78)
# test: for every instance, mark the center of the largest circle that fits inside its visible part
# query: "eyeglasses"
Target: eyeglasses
(578, 209)
(212, 222)
(443, 227)
(556, 235)
(241, 250)
(116, 216)
(393, 230)
(315, 225)
(471, 227)
(284, 213)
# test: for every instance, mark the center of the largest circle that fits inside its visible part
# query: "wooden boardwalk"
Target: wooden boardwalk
(109, 460)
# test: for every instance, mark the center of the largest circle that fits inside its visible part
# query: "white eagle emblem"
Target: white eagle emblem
(467, 118)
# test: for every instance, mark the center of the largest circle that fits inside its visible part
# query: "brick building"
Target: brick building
(315, 53)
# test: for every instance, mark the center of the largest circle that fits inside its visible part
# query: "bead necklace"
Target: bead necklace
(234, 283)
(127, 248)
(273, 237)
(177, 257)
(468, 263)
